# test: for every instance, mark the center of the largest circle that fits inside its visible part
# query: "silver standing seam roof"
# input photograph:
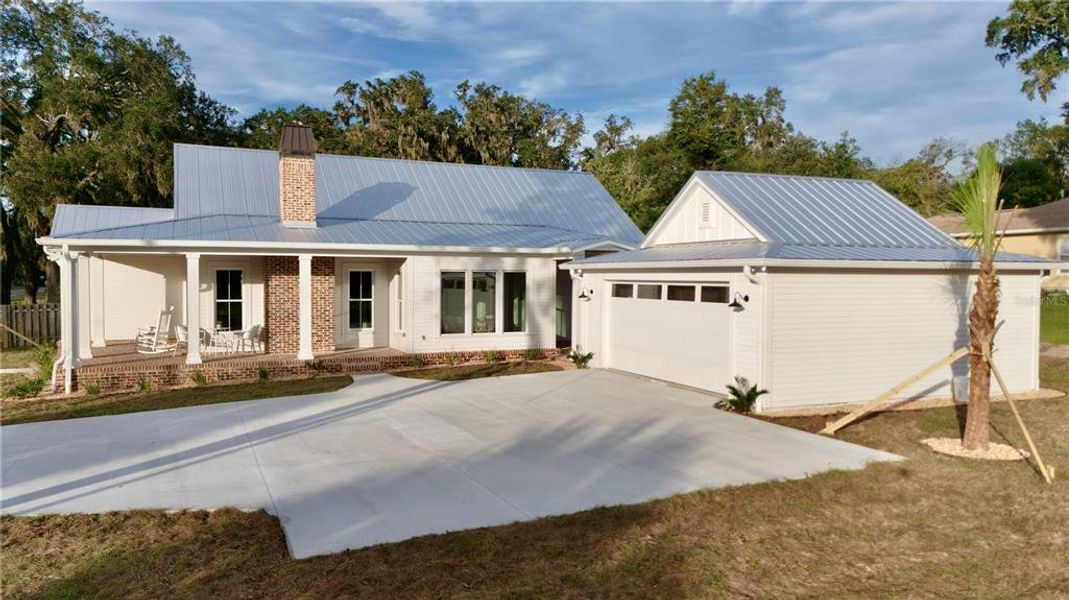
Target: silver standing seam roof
(72, 218)
(812, 218)
(232, 194)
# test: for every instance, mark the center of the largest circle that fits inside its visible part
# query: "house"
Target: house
(823, 291)
(327, 252)
(1040, 231)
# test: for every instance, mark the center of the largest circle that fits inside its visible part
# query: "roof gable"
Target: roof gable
(217, 181)
(1052, 216)
(822, 211)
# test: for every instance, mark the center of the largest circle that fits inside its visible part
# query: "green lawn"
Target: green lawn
(28, 411)
(1054, 320)
(497, 369)
(933, 526)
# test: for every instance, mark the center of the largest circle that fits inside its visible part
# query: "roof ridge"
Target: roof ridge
(456, 164)
(593, 234)
(787, 176)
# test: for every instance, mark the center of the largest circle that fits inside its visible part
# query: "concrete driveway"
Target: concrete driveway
(387, 458)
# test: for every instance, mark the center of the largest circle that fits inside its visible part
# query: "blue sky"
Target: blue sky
(894, 75)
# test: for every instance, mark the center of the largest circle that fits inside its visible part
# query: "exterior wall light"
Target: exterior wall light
(735, 303)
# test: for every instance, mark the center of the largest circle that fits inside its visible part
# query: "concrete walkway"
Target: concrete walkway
(387, 458)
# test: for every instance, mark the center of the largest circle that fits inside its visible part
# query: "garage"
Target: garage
(676, 331)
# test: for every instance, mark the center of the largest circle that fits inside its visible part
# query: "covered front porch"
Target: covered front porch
(143, 309)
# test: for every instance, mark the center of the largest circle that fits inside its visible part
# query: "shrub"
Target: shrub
(532, 354)
(27, 388)
(317, 365)
(417, 362)
(490, 356)
(741, 396)
(451, 359)
(580, 358)
(144, 384)
(198, 378)
(92, 388)
(262, 374)
(44, 355)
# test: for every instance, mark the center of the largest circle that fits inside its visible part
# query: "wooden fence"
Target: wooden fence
(39, 322)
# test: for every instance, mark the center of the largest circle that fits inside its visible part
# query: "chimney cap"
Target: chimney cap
(297, 140)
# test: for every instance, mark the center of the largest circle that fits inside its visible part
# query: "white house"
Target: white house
(823, 291)
(326, 252)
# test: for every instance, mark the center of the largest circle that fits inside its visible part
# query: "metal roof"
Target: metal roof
(297, 140)
(230, 181)
(749, 249)
(243, 228)
(70, 218)
(819, 210)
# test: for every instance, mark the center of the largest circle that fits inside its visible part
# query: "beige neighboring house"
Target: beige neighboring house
(1039, 231)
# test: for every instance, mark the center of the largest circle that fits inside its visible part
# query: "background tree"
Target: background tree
(1035, 33)
(91, 114)
(264, 129)
(924, 182)
(977, 199)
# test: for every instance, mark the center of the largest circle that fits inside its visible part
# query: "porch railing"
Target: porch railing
(38, 322)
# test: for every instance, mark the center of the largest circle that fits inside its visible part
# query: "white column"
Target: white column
(96, 300)
(304, 293)
(68, 335)
(83, 314)
(193, 309)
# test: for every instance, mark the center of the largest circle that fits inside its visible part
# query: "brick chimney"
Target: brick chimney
(297, 176)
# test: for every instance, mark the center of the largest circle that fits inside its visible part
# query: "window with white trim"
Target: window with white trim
(229, 303)
(452, 302)
(515, 306)
(361, 300)
(484, 301)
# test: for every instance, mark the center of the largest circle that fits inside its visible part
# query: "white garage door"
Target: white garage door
(671, 331)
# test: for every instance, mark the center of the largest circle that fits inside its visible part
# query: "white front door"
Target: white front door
(356, 314)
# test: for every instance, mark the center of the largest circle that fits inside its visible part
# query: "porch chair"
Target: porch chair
(156, 340)
(251, 338)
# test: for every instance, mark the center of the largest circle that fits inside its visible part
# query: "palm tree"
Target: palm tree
(977, 200)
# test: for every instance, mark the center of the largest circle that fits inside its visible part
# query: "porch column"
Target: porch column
(84, 315)
(193, 309)
(96, 300)
(304, 303)
(68, 323)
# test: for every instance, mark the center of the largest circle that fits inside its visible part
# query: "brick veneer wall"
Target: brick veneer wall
(282, 304)
(117, 377)
(297, 189)
(322, 304)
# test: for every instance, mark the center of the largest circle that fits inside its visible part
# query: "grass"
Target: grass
(23, 357)
(497, 369)
(933, 526)
(29, 411)
(1054, 321)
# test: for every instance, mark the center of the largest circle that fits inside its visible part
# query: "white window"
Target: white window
(452, 302)
(400, 300)
(361, 300)
(484, 301)
(515, 306)
(1063, 248)
(229, 304)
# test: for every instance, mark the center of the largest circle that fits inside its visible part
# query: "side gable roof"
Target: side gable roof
(228, 181)
(823, 211)
(72, 218)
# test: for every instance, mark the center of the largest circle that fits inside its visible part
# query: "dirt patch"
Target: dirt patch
(953, 447)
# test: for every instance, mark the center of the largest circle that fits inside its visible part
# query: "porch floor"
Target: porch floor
(123, 353)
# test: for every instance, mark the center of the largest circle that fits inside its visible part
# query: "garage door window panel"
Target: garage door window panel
(715, 294)
(649, 292)
(682, 293)
(623, 290)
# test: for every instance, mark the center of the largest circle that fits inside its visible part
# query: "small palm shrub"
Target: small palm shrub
(198, 378)
(417, 362)
(741, 396)
(580, 358)
(490, 356)
(92, 388)
(262, 374)
(451, 359)
(531, 354)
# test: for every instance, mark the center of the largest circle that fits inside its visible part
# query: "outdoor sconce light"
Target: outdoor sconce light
(735, 302)
(584, 296)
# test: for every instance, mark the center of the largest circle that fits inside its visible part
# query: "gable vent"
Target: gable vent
(705, 213)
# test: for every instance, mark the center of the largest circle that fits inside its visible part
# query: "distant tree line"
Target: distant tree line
(90, 113)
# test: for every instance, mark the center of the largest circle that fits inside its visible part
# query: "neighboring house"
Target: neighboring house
(328, 252)
(1039, 231)
(823, 291)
